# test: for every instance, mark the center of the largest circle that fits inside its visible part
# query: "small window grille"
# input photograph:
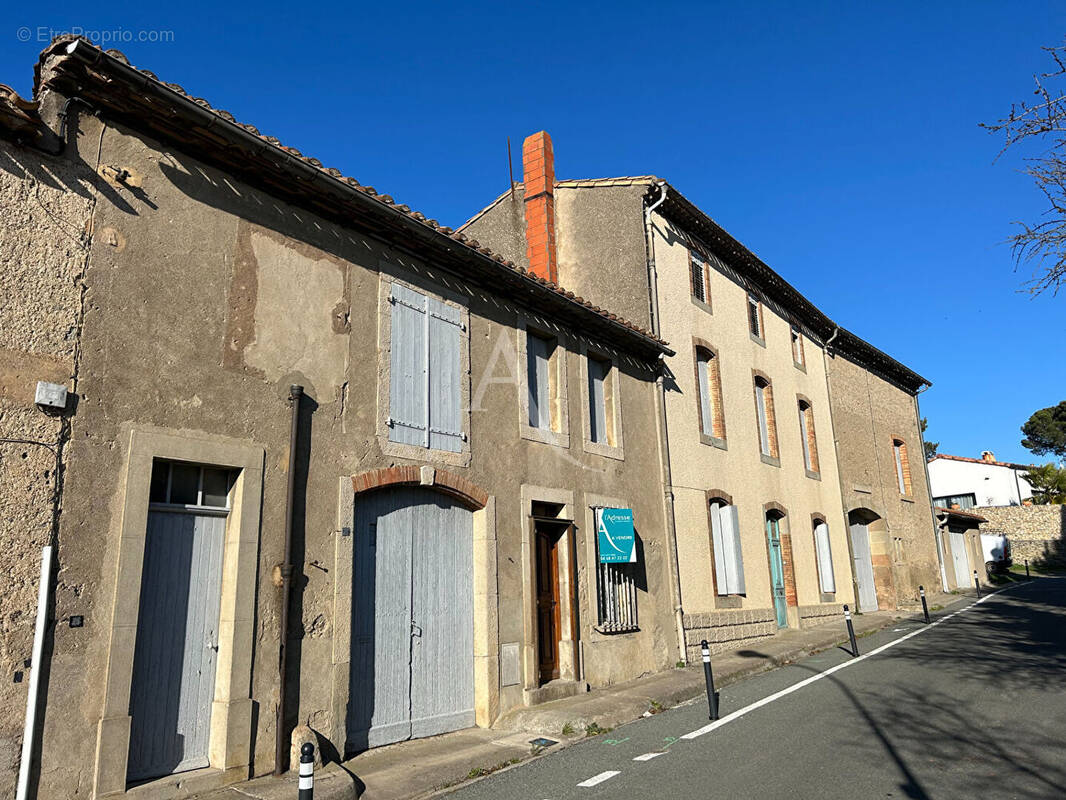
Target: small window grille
(176, 483)
(617, 597)
(699, 273)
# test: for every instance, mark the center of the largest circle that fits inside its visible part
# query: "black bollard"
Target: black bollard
(1027, 567)
(925, 605)
(977, 583)
(851, 632)
(712, 695)
(307, 771)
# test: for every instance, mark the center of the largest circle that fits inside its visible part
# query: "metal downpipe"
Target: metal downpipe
(295, 393)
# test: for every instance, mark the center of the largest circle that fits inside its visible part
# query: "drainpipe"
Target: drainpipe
(664, 441)
(29, 732)
(295, 393)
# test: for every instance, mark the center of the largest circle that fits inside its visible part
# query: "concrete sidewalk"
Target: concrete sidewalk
(425, 767)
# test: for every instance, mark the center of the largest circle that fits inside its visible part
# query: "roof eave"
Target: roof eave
(454, 243)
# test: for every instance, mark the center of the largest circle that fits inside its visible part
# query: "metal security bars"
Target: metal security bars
(617, 598)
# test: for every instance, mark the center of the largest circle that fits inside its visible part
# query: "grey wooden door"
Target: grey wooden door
(864, 568)
(960, 559)
(173, 682)
(412, 662)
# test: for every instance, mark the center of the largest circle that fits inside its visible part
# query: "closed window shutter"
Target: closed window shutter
(408, 420)
(703, 370)
(597, 403)
(721, 578)
(445, 389)
(738, 556)
(728, 560)
(825, 558)
(760, 409)
(803, 438)
(538, 353)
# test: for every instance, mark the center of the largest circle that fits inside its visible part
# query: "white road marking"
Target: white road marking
(603, 776)
(808, 681)
(648, 756)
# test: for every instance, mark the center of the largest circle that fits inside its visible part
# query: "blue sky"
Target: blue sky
(840, 142)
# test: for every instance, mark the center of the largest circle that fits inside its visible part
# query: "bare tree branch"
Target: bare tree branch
(1042, 245)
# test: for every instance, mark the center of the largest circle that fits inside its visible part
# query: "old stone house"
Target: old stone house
(787, 471)
(283, 383)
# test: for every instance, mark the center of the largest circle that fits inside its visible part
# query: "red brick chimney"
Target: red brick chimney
(538, 167)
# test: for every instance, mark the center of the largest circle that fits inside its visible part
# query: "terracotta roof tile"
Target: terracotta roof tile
(59, 46)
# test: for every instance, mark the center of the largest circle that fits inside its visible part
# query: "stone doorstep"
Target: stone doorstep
(424, 768)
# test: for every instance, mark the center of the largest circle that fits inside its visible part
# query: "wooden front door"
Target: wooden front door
(547, 581)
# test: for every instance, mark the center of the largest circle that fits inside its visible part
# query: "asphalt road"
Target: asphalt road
(974, 706)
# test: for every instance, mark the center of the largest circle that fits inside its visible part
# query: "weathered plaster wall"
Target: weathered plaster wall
(46, 207)
(203, 304)
(602, 257)
(868, 413)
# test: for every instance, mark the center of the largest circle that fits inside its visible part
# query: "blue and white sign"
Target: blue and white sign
(617, 542)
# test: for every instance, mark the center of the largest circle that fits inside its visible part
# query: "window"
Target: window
(963, 501)
(709, 383)
(725, 542)
(539, 352)
(699, 277)
(616, 593)
(798, 357)
(425, 391)
(755, 317)
(601, 401)
(764, 412)
(826, 580)
(810, 445)
(177, 483)
(903, 468)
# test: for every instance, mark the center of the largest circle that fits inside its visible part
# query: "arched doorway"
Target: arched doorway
(412, 650)
(862, 524)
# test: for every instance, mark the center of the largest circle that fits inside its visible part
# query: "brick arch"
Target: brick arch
(467, 492)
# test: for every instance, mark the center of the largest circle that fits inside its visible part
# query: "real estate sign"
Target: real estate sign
(615, 537)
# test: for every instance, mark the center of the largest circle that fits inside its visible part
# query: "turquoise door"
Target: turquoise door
(777, 571)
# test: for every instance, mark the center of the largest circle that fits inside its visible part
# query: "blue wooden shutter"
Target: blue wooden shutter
(408, 422)
(597, 401)
(538, 352)
(445, 384)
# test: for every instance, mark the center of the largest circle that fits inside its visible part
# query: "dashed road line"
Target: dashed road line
(649, 756)
(597, 779)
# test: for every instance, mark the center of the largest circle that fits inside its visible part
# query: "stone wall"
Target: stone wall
(1036, 533)
(819, 615)
(727, 630)
(43, 240)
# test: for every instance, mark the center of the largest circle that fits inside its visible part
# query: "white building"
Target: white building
(971, 482)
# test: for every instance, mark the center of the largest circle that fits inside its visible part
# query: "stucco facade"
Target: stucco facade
(619, 258)
(205, 298)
